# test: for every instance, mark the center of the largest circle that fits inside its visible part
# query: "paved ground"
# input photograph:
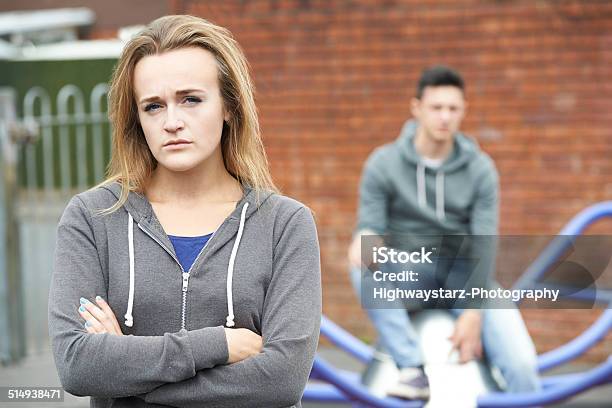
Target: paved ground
(40, 371)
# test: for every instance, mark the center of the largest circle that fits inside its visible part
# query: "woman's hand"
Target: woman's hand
(242, 344)
(100, 318)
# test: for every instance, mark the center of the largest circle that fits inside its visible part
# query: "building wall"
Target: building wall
(334, 80)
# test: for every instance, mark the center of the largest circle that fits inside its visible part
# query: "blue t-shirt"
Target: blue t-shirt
(188, 248)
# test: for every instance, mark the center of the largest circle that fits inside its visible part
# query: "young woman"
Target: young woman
(185, 279)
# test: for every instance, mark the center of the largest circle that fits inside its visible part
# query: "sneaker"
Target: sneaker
(413, 384)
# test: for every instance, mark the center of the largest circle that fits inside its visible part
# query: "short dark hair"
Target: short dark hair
(439, 75)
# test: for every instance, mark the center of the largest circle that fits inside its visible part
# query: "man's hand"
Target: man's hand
(354, 252)
(100, 318)
(242, 344)
(466, 337)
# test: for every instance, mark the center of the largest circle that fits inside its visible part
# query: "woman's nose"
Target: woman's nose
(173, 123)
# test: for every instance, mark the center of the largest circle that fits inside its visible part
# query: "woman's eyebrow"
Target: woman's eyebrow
(179, 93)
(188, 91)
(149, 99)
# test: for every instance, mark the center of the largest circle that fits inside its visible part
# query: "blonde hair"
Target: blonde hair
(131, 161)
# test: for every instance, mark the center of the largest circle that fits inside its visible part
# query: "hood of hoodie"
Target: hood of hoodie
(464, 150)
(140, 208)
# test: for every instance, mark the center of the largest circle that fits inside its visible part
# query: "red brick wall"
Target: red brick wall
(334, 81)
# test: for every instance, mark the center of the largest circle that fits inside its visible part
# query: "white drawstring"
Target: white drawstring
(129, 320)
(230, 269)
(421, 185)
(440, 195)
(421, 192)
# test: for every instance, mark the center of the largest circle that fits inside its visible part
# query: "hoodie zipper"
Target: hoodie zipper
(185, 275)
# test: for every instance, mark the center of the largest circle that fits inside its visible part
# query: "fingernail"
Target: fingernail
(87, 324)
(98, 298)
(82, 308)
(83, 301)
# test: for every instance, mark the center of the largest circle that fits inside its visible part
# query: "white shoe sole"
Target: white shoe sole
(407, 392)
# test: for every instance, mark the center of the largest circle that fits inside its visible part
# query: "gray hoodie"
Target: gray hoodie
(400, 195)
(413, 204)
(260, 271)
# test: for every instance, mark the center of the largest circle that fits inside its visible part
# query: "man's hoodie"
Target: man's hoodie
(413, 204)
(260, 271)
(399, 194)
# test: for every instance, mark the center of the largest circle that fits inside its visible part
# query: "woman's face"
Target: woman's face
(180, 107)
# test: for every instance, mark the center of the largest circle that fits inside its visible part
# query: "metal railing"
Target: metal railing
(60, 146)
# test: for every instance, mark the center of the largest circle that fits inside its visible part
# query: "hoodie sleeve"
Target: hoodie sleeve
(373, 196)
(484, 219)
(108, 365)
(484, 222)
(290, 329)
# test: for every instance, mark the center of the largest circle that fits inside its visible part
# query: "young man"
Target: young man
(433, 180)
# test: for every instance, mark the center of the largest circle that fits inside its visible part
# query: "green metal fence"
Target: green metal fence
(61, 138)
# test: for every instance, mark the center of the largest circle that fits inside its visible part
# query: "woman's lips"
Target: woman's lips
(178, 144)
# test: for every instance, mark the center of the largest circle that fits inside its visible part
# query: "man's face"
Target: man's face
(440, 111)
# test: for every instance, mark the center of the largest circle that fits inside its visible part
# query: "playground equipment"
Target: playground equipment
(451, 383)
(335, 385)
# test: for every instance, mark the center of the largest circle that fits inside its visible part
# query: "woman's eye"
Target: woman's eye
(152, 107)
(192, 99)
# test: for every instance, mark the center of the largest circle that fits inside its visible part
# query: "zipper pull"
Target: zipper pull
(185, 281)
